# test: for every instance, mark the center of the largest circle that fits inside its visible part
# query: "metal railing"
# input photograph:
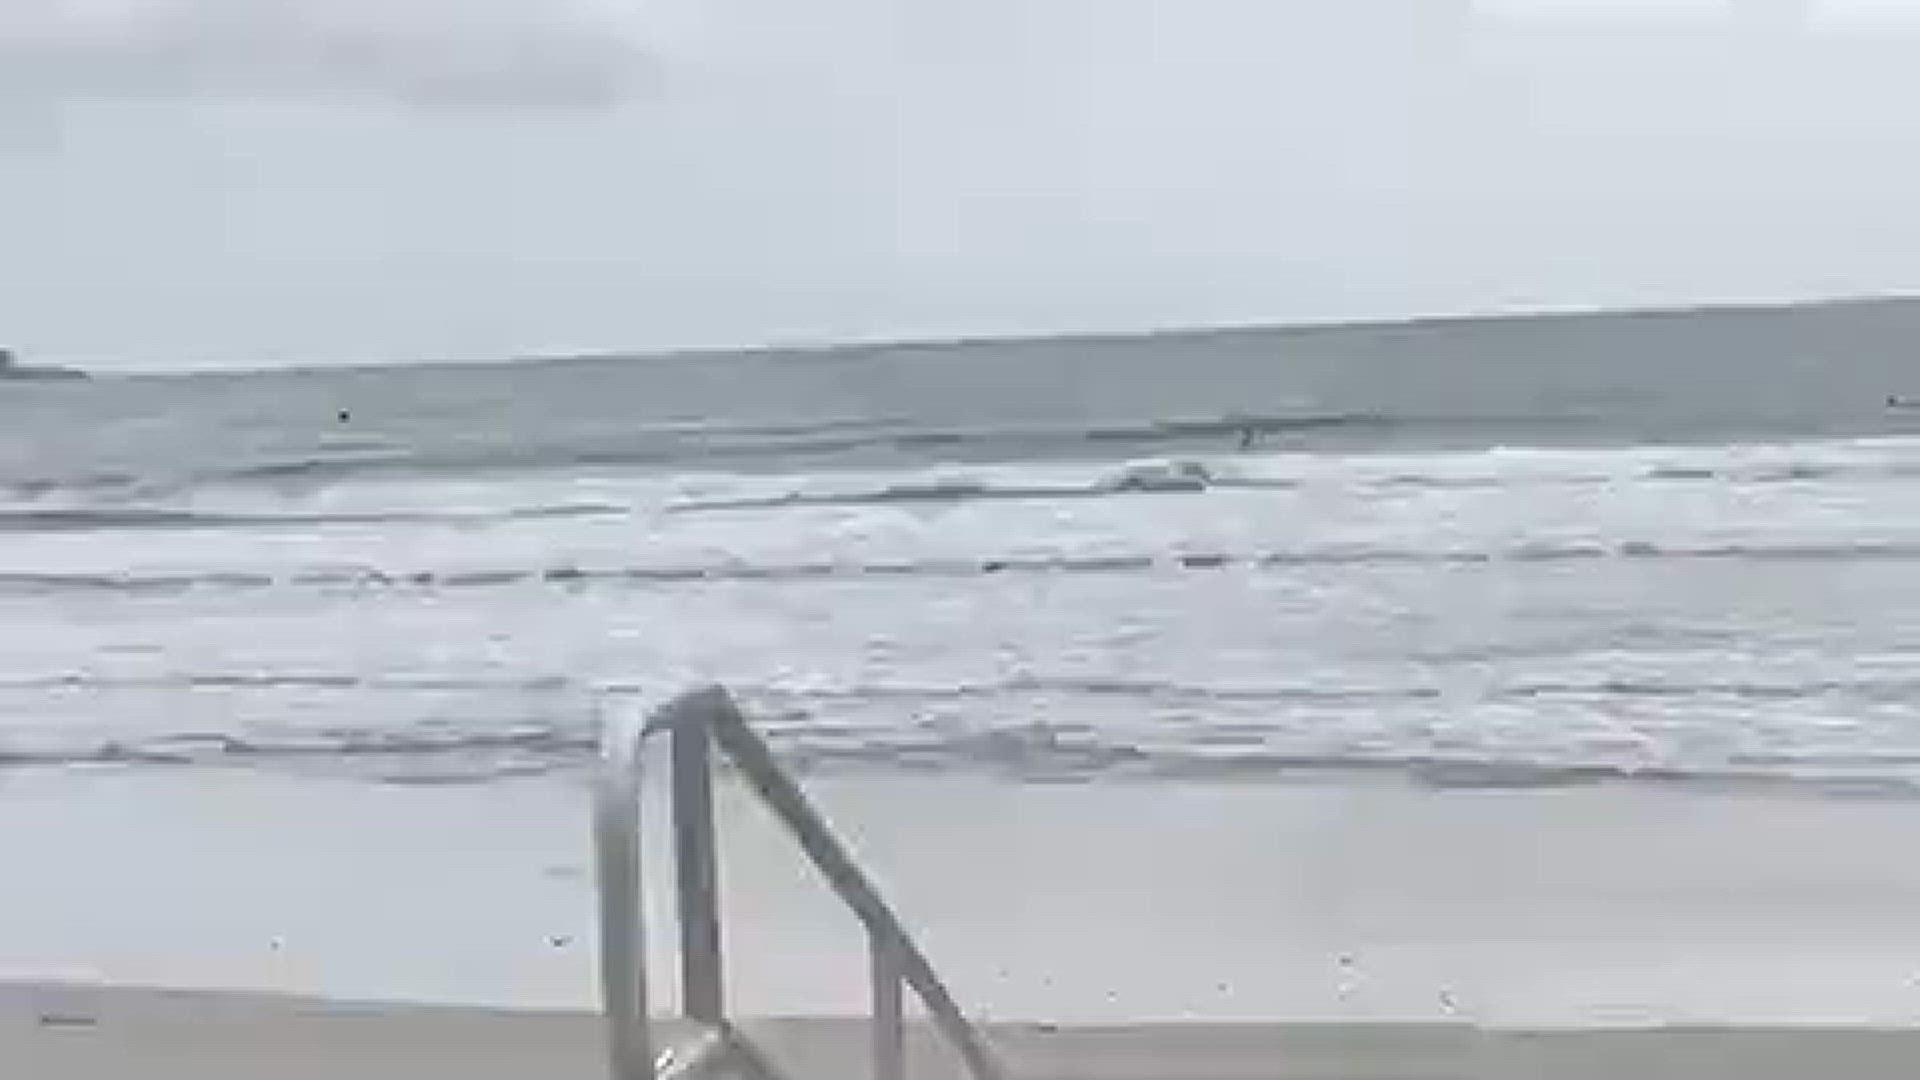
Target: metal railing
(695, 723)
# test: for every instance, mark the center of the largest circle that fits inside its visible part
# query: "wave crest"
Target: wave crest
(578, 576)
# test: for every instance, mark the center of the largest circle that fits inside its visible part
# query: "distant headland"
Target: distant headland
(11, 368)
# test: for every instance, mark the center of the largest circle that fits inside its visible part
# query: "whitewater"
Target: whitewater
(1439, 554)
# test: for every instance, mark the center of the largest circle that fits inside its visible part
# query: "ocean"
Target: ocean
(1666, 547)
(1533, 670)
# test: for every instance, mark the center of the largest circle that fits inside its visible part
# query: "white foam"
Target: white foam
(1476, 632)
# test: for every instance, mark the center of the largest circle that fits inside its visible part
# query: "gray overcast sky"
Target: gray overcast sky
(244, 182)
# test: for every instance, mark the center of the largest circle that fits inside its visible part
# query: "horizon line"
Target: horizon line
(805, 348)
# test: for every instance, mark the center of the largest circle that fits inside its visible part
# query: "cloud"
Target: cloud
(465, 54)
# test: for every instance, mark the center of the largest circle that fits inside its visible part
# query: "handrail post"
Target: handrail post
(698, 722)
(623, 937)
(702, 995)
(889, 1043)
(811, 832)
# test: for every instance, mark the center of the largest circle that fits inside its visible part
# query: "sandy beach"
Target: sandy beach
(75, 1033)
(259, 924)
(1069, 904)
(1353, 541)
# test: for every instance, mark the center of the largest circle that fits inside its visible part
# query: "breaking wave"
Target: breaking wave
(95, 503)
(30, 583)
(1892, 461)
(823, 729)
(755, 446)
(95, 518)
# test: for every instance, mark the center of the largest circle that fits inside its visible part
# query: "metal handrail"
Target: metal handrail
(695, 722)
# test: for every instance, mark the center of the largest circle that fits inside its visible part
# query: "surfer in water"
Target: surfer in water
(1247, 437)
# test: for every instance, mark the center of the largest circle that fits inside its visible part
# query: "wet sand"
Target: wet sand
(101, 1033)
